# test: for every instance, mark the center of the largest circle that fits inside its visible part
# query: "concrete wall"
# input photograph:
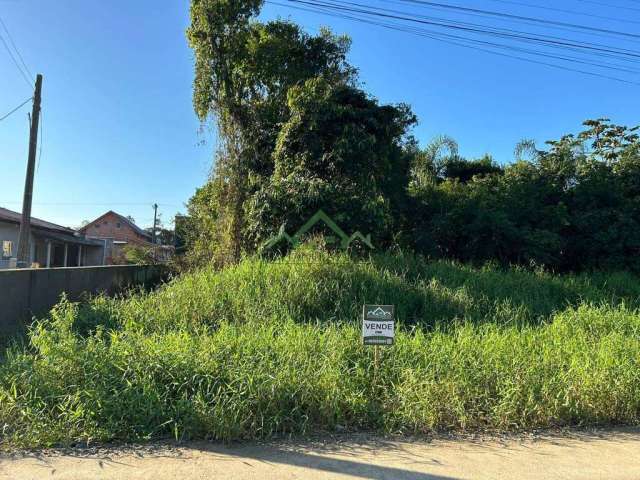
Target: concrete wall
(26, 293)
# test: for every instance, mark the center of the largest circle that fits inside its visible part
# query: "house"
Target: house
(51, 245)
(117, 231)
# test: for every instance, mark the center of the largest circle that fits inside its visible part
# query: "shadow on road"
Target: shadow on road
(360, 468)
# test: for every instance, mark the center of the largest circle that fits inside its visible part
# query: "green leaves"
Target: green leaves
(297, 135)
(572, 207)
(341, 152)
(244, 71)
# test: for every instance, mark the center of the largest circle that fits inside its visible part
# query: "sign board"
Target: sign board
(378, 326)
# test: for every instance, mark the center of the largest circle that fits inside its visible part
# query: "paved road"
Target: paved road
(607, 455)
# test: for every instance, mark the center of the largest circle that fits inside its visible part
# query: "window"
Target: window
(7, 248)
(118, 225)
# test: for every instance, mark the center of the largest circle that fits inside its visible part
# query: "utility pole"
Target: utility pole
(25, 225)
(153, 231)
(155, 222)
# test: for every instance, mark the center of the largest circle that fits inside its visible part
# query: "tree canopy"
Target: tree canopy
(298, 133)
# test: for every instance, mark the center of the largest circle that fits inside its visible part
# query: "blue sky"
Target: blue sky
(119, 130)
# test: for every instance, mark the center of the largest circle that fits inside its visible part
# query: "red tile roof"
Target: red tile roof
(122, 218)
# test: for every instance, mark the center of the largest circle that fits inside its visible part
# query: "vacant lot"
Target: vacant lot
(271, 348)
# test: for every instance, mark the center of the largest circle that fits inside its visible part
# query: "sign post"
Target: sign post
(378, 328)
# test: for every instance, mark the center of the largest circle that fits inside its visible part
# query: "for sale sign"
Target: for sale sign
(378, 326)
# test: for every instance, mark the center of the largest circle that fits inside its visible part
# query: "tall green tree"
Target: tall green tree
(339, 151)
(243, 72)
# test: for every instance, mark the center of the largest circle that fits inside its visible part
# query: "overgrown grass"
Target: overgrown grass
(270, 348)
(310, 286)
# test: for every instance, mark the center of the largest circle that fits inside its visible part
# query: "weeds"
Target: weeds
(271, 348)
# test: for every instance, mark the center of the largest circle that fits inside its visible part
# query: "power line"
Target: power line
(24, 75)
(480, 30)
(603, 4)
(420, 31)
(545, 22)
(16, 49)
(565, 26)
(562, 10)
(501, 32)
(585, 72)
(546, 41)
(17, 108)
(439, 37)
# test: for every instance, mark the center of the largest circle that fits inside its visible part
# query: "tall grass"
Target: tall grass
(271, 348)
(312, 286)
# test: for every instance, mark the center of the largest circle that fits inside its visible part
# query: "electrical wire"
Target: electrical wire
(603, 4)
(500, 46)
(562, 10)
(565, 27)
(16, 109)
(494, 30)
(460, 26)
(16, 49)
(439, 37)
(510, 16)
(420, 31)
(585, 72)
(22, 73)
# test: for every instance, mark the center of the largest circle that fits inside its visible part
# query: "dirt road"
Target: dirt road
(609, 455)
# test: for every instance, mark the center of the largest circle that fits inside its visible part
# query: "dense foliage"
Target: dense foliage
(574, 206)
(340, 152)
(244, 73)
(298, 134)
(271, 348)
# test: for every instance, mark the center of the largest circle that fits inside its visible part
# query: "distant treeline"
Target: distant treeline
(573, 206)
(299, 134)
